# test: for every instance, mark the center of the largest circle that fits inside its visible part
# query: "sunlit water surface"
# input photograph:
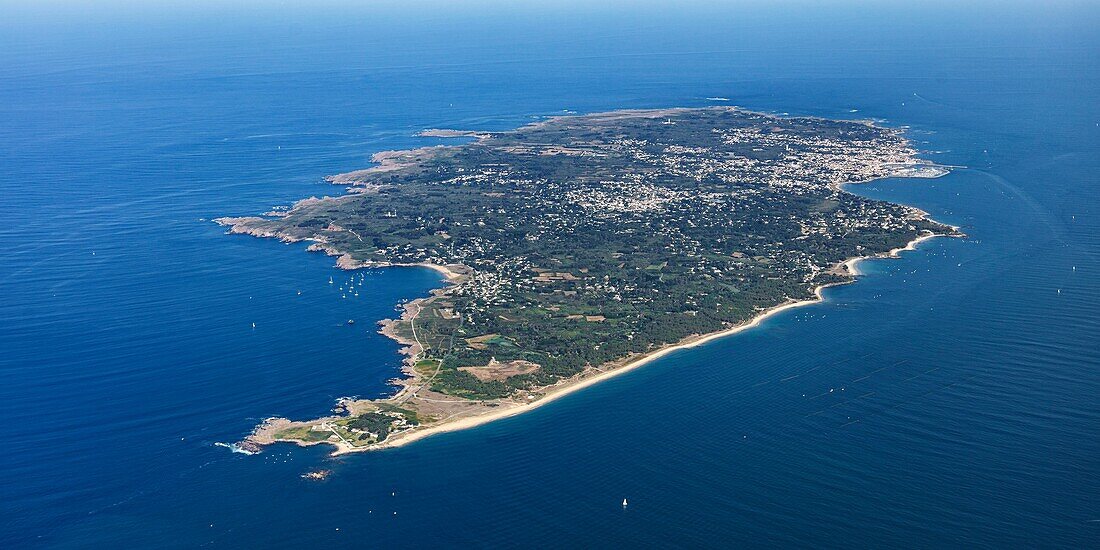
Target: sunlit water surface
(947, 399)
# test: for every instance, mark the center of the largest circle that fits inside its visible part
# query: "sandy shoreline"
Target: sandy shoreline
(573, 386)
(262, 434)
(409, 382)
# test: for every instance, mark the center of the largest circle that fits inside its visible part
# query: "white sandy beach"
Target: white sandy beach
(573, 386)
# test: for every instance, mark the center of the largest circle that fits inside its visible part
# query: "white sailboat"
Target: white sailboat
(624, 503)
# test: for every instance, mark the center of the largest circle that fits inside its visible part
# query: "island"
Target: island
(579, 247)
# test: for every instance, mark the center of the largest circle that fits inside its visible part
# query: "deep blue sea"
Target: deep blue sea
(947, 399)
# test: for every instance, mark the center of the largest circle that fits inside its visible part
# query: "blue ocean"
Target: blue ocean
(950, 398)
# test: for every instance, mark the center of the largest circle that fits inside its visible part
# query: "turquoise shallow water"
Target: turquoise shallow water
(963, 377)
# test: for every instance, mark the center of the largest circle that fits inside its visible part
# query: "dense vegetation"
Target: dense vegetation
(591, 239)
(373, 422)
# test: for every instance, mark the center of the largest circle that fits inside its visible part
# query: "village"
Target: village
(585, 241)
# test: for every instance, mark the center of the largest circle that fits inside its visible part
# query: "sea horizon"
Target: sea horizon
(946, 398)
